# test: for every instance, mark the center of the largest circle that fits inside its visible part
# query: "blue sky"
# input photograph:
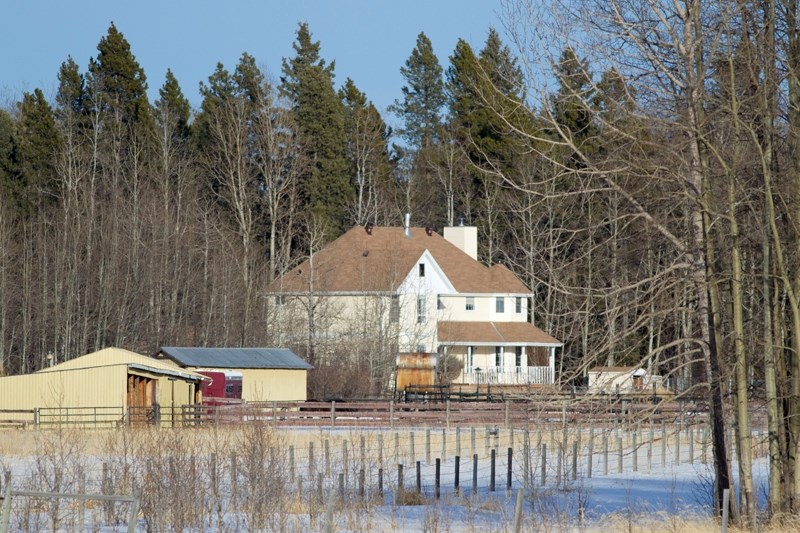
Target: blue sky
(369, 39)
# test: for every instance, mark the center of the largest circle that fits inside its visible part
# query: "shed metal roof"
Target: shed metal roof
(277, 358)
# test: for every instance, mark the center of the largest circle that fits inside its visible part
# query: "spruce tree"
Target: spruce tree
(172, 107)
(572, 107)
(10, 185)
(423, 96)
(39, 143)
(71, 97)
(326, 189)
(118, 83)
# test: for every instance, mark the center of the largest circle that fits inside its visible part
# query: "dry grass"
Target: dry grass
(238, 480)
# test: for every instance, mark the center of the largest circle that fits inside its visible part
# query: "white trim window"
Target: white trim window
(500, 305)
(519, 305)
(498, 357)
(422, 310)
(518, 357)
(470, 303)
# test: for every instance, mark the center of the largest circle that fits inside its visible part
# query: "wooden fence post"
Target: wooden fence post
(574, 460)
(509, 467)
(428, 446)
(327, 457)
(474, 474)
(518, 512)
(492, 470)
(590, 463)
(437, 479)
(399, 478)
(544, 463)
(457, 474)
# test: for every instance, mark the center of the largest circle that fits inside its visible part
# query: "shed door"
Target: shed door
(141, 398)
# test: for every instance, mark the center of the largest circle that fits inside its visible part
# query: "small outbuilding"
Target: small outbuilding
(109, 384)
(268, 374)
(622, 379)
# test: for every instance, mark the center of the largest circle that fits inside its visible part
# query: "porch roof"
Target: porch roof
(494, 333)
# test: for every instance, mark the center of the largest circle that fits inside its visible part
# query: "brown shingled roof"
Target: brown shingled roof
(493, 332)
(380, 261)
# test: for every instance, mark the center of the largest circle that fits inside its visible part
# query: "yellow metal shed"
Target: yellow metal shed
(114, 381)
(268, 374)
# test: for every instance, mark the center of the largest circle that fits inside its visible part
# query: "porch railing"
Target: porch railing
(498, 375)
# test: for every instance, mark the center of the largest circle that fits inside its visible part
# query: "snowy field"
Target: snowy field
(257, 478)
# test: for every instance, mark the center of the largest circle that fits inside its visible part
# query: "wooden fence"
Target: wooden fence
(390, 414)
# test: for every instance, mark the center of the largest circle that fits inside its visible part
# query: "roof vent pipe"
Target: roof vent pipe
(407, 225)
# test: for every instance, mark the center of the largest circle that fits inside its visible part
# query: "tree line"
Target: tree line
(635, 162)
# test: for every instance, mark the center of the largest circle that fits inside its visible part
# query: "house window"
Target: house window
(519, 304)
(470, 303)
(421, 348)
(394, 309)
(518, 357)
(280, 300)
(500, 305)
(470, 357)
(498, 356)
(422, 270)
(422, 311)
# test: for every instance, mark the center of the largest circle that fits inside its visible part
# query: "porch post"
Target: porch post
(552, 365)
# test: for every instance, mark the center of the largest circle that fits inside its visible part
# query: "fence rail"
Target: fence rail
(602, 410)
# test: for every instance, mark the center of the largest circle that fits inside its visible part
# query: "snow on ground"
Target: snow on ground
(656, 480)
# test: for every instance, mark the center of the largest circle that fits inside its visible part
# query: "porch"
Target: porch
(497, 375)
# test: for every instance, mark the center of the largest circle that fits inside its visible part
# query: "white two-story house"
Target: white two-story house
(429, 294)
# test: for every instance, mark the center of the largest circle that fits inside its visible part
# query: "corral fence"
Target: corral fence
(555, 408)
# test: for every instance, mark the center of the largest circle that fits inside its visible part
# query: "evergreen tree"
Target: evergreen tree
(572, 108)
(307, 81)
(71, 96)
(423, 96)
(485, 95)
(38, 146)
(172, 107)
(10, 185)
(118, 83)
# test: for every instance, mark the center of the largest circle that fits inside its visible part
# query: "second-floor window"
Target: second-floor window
(422, 310)
(518, 308)
(470, 303)
(500, 305)
(422, 270)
